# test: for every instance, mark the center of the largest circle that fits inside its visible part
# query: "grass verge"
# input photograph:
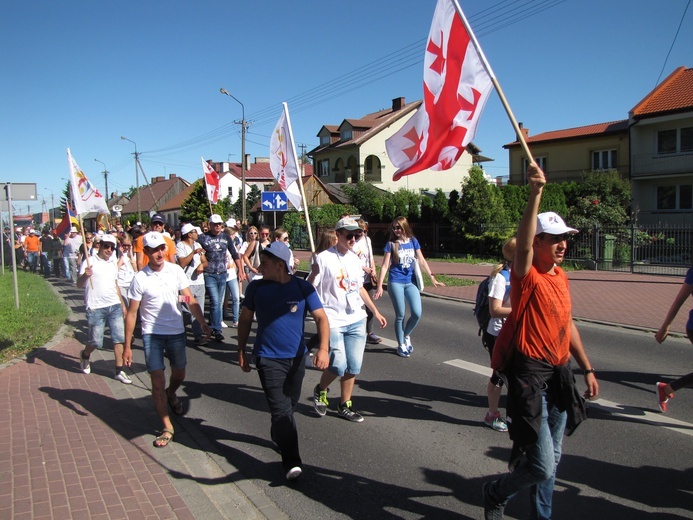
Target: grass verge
(41, 313)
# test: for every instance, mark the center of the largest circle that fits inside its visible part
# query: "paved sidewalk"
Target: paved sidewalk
(78, 446)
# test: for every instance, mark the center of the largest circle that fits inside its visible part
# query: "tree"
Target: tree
(195, 208)
(602, 198)
(440, 213)
(367, 199)
(480, 205)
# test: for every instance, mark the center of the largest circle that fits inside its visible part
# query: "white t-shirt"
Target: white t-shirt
(101, 290)
(497, 290)
(126, 271)
(231, 273)
(340, 274)
(190, 270)
(364, 251)
(157, 292)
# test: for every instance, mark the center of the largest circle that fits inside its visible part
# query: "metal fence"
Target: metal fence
(636, 248)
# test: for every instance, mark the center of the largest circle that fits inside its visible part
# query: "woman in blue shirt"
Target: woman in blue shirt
(401, 252)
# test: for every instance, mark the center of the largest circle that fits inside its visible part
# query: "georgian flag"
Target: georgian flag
(456, 86)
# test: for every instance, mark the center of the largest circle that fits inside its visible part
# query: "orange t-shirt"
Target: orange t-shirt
(31, 244)
(544, 331)
(138, 247)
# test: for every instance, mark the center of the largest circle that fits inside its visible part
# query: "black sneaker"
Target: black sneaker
(346, 411)
(320, 401)
(492, 509)
(218, 336)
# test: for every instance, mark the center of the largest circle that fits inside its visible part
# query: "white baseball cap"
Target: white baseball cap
(281, 251)
(231, 222)
(73, 229)
(553, 224)
(347, 223)
(110, 239)
(153, 239)
(216, 219)
(187, 228)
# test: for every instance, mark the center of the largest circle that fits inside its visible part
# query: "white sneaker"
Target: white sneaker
(224, 325)
(123, 378)
(403, 351)
(309, 360)
(84, 364)
(294, 473)
(407, 342)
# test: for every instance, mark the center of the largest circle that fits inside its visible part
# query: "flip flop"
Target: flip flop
(164, 439)
(176, 406)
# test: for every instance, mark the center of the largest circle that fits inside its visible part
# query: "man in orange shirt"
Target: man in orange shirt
(138, 247)
(32, 246)
(542, 398)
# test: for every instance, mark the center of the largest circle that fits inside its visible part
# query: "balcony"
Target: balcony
(667, 164)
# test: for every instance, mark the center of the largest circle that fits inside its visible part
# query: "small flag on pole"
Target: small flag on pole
(211, 181)
(456, 86)
(85, 196)
(69, 220)
(283, 159)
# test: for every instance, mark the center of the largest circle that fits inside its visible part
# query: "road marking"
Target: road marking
(617, 409)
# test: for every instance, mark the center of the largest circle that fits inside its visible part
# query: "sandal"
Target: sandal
(176, 405)
(164, 439)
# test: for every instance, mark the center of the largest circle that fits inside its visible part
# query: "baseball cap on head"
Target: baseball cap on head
(552, 224)
(153, 239)
(110, 239)
(216, 219)
(73, 229)
(347, 223)
(187, 228)
(281, 251)
(158, 217)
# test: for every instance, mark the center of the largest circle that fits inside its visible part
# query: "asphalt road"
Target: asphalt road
(423, 452)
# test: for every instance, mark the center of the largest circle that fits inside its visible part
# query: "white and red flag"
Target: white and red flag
(456, 84)
(211, 181)
(85, 196)
(283, 159)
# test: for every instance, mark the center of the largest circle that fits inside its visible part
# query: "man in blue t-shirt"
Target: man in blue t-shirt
(281, 302)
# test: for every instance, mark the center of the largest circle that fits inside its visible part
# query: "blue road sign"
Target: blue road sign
(274, 201)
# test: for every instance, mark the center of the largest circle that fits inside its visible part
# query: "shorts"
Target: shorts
(347, 345)
(489, 341)
(156, 346)
(97, 319)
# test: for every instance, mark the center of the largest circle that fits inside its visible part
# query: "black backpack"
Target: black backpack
(481, 309)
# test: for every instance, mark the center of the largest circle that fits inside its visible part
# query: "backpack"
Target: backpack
(481, 309)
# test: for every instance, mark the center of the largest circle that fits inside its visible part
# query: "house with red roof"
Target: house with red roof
(661, 137)
(565, 155)
(151, 197)
(354, 151)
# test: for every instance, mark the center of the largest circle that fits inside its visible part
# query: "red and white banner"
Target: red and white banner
(211, 181)
(283, 159)
(85, 196)
(456, 86)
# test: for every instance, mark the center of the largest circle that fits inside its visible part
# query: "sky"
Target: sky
(81, 74)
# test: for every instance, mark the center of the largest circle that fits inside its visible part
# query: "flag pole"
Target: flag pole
(300, 179)
(84, 243)
(501, 95)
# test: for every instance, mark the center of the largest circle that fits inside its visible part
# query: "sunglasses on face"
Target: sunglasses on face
(265, 234)
(285, 239)
(107, 245)
(350, 236)
(397, 227)
(252, 233)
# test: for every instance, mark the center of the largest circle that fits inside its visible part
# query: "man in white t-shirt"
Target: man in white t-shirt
(339, 284)
(157, 291)
(98, 277)
(191, 257)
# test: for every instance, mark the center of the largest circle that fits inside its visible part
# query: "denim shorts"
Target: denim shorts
(347, 344)
(97, 319)
(156, 346)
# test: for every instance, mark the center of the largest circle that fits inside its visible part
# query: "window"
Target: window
(676, 140)
(346, 134)
(604, 160)
(324, 168)
(675, 197)
(230, 194)
(325, 139)
(541, 162)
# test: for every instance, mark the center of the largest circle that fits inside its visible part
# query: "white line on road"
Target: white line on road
(617, 409)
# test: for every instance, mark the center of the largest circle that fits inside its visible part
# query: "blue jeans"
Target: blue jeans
(158, 345)
(347, 344)
(45, 265)
(399, 292)
(281, 380)
(538, 472)
(32, 259)
(97, 320)
(215, 285)
(235, 292)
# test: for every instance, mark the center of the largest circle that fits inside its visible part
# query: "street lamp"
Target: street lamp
(243, 127)
(105, 178)
(137, 179)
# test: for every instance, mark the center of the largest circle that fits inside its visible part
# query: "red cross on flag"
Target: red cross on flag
(456, 85)
(211, 181)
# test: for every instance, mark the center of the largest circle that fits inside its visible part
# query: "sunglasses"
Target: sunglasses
(286, 239)
(107, 245)
(396, 227)
(265, 234)
(127, 245)
(252, 233)
(350, 236)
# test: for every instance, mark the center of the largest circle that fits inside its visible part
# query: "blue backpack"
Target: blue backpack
(481, 309)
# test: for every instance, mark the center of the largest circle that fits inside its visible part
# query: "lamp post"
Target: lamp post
(137, 179)
(105, 178)
(243, 127)
(52, 209)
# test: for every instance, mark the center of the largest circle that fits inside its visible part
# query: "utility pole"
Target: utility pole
(107, 195)
(137, 179)
(244, 126)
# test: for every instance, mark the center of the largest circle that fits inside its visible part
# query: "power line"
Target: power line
(672, 43)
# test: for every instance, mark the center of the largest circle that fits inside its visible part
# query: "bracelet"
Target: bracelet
(432, 275)
(590, 371)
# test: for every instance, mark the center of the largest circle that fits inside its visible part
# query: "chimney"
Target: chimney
(398, 104)
(525, 131)
(171, 175)
(156, 179)
(247, 162)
